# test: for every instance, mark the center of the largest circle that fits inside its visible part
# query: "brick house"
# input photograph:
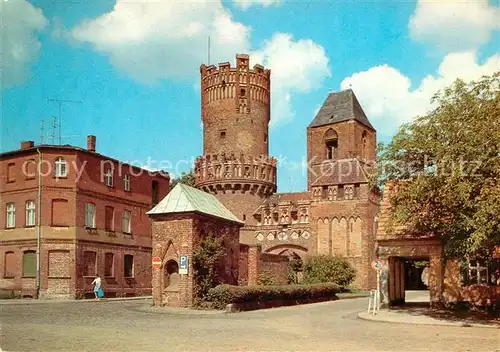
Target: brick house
(89, 214)
(337, 213)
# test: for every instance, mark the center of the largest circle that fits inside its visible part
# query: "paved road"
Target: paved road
(135, 326)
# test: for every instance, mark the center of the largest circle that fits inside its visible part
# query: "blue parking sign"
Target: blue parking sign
(183, 265)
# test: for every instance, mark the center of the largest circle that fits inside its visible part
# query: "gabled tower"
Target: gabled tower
(235, 110)
(341, 146)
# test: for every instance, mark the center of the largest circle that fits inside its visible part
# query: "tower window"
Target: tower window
(363, 151)
(331, 144)
(223, 134)
(242, 92)
(265, 138)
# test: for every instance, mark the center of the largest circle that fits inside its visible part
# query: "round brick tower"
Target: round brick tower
(235, 110)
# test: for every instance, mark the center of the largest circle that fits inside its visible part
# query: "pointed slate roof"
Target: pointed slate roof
(339, 107)
(183, 199)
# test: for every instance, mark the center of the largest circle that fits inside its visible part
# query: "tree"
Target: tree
(185, 178)
(324, 268)
(447, 169)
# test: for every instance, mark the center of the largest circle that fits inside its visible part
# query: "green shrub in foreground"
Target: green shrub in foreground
(223, 295)
(325, 268)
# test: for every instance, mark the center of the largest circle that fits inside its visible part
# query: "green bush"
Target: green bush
(324, 268)
(223, 295)
(267, 278)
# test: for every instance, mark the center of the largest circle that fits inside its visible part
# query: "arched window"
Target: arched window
(61, 169)
(363, 144)
(331, 144)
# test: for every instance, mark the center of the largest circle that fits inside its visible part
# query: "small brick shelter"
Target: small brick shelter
(180, 221)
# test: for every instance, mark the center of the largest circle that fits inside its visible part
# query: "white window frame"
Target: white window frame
(126, 182)
(127, 221)
(11, 216)
(90, 215)
(479, 273)
(30, 213)
(61, 167)
(108, 178)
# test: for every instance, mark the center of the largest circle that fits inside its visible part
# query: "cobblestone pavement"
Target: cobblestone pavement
(135, 326)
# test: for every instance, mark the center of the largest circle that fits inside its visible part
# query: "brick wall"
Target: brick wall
(243, 265)
(276, 265)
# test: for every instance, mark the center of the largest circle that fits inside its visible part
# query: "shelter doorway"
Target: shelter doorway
(408, 281)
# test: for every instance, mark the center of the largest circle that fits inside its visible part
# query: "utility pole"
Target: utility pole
(60, 102)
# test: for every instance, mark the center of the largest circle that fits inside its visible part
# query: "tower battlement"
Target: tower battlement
(241, 84)
(236, 170)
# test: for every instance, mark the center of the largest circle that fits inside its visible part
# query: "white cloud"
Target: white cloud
(388, 100)
(296, 67)
(453, 25)
(152, 40)
(245, 4)
(20, 46)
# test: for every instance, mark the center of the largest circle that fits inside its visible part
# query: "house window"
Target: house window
(90, 215)
(109, 217)
(154, 192)
(128, 265)
(109, 265)
(331, 144)
(10, 172)
(108, 178)
(59, 212)
(11, 215)
(480, 272)
(30, 213)
(223, 134)
(126, 223)
(126, 182)
(29, 264)
(89, 263)
(61, 169)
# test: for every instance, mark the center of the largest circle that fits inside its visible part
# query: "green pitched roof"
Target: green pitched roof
(183, 199)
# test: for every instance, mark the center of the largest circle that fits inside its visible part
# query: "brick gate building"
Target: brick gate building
(91, 215)
(336, 215)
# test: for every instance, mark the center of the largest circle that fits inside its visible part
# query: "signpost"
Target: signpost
(378, 265)
(183, 265)
(156, 262)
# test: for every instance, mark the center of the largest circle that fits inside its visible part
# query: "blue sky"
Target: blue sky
(135, 66)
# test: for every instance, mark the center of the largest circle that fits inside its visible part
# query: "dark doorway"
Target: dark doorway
(416, 272)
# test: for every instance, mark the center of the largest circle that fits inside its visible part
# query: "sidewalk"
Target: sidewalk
(51, 301)
(422, 317)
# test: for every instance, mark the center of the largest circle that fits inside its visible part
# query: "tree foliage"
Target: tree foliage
(447, 168)
(184, 178)
(206, 255)
(324, 268)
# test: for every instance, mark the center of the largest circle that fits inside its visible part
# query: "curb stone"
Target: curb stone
(377, 318)
(54, 301)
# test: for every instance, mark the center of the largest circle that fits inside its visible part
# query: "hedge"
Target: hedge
(222, 295)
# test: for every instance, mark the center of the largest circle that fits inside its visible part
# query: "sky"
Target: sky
(133, 67)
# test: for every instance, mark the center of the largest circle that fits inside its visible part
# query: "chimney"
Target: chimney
(27, 144)
(91, 143)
